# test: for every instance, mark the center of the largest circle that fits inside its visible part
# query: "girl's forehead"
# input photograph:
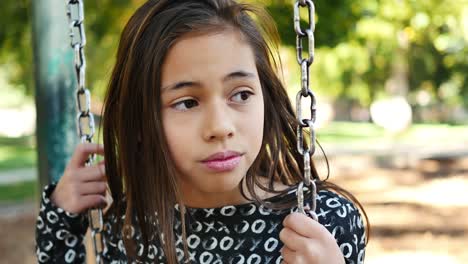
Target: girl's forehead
(208, 55)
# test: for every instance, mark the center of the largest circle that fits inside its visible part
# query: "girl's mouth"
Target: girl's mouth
(221, 165)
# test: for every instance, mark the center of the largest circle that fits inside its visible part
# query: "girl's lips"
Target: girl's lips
(222, 155)
(220, 165)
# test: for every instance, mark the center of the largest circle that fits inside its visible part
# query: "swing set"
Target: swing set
(86, 126)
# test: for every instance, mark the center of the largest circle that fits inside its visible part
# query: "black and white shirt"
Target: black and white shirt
(246, 233)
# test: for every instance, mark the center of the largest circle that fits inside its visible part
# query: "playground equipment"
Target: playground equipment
(85, 119)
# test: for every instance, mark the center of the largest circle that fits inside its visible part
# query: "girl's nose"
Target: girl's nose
(218, 123)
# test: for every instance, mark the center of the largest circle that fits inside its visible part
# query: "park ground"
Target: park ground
(417, 213)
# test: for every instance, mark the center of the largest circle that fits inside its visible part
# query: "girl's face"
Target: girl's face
(212, 103)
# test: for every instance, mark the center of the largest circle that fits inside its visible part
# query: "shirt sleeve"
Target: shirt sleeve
(343, 220)
(59, 234)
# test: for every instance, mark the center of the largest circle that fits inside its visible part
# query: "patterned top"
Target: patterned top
(246, 233)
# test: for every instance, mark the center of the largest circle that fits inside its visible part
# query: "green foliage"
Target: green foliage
(361, 45)
(104, 22)
(330, 33)
(15, 44)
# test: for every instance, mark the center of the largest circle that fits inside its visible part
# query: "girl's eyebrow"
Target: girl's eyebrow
(186, 84)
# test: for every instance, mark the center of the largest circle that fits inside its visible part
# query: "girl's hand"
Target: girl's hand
(307, 241)
(81, 187)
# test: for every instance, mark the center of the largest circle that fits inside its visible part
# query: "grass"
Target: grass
(17, 153)
(436, 132)
(342, 132)
(347, 132)
(18, 192)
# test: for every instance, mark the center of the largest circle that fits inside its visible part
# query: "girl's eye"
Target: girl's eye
(185, 105)
(242, 96)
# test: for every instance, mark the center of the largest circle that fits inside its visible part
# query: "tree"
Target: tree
(361, 45)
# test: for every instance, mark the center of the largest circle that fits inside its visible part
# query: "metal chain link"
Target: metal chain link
(85, 119)
(302, 146)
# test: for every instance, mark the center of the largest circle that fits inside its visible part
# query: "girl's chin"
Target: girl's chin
(220, 186)
(214, 192)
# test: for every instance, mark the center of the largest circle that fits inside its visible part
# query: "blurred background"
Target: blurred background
(392, 86)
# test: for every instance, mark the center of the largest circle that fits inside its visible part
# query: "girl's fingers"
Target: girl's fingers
(289, 256)
(92, 201)
(303, 225)
(90, 188)
(299, 249)
(82, 153)
(91, 173)
(293, 240)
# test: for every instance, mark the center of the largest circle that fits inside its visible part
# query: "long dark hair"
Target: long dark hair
(139, 168)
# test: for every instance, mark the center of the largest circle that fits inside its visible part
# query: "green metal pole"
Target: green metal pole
(55, 89)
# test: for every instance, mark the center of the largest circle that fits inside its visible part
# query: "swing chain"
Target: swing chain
(308, 33)
(85, 119)
(305, 62)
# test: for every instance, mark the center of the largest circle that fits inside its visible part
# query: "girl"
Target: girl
(200, 154)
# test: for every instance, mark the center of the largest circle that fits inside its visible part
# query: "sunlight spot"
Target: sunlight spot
(440, 192)
(18, 122)
(393, 114)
